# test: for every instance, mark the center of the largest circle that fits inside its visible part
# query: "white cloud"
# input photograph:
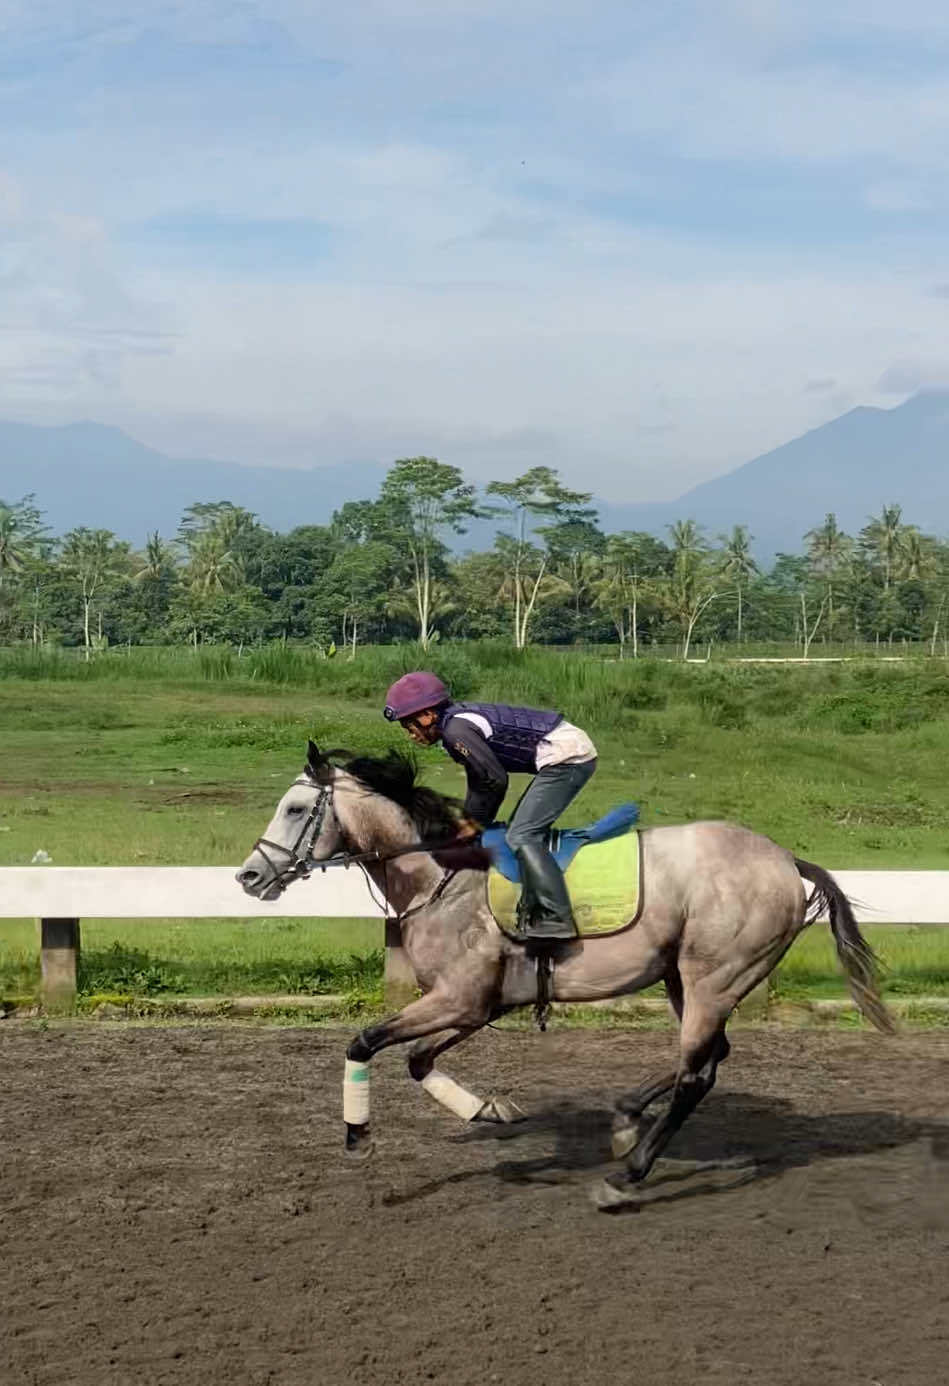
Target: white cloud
(548, 225)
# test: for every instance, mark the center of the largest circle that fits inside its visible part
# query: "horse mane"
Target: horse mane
(395, 777)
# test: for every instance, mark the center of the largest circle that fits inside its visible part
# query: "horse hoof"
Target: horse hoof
(608, 1198)
(501, 1111)
(626, 1135)
(357, 1154)
(359, 1143)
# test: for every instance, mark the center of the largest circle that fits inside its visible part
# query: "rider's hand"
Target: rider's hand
(467, 829)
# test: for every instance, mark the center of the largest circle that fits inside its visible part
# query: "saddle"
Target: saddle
(601, 865)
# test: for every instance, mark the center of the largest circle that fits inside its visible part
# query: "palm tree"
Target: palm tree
(14, 547)
(919, 558)
(687, 539)
(21, 535)
(692, 585)
(884, 538)
(737, 564)
(157, 562)
(828, 548)
(212, 567)
(579, 572)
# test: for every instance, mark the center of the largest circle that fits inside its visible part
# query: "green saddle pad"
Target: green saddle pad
(604, 881)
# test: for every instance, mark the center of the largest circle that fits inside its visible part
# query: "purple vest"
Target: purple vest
(515, 731)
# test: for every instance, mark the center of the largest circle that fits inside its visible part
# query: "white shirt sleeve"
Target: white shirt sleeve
(482, 723)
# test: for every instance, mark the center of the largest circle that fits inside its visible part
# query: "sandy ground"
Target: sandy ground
(175, 1207)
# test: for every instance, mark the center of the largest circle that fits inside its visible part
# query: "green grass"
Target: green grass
(209, 957)
(165, 757)
(915, 962)
(294, 956)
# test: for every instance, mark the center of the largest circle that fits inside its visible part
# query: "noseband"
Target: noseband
(298, 864)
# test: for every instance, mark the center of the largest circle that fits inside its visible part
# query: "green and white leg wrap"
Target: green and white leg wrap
(452, 1095)
(356, 1094)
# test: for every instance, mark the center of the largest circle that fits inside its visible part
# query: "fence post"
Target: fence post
(59, 962)
(401, 986)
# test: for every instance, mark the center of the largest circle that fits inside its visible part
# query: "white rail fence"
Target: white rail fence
(59, 897)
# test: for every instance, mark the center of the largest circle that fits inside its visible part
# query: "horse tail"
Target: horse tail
(856, 956)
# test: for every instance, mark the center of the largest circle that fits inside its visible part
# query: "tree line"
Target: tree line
(384, 570)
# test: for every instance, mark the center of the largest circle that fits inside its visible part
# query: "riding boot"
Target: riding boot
(551, 919)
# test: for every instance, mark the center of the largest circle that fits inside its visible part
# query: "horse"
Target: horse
(722, 905)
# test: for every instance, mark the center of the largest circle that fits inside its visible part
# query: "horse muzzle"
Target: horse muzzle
(262, 878)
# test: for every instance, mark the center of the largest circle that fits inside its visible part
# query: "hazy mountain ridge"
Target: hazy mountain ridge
(852, 466)
(92, 474)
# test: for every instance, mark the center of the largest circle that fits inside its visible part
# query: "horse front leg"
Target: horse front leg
(439, 1010)
(447, 1091)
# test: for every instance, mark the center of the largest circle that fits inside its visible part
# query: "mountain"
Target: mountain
(90, 474)
(852, 466)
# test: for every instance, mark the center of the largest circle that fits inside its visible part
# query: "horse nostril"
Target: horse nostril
(248, 878)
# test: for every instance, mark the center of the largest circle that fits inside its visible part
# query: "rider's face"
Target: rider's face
(422, 727)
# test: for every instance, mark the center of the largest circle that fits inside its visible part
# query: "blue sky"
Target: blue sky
(640, 241)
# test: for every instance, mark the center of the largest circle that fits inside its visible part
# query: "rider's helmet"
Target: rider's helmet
(414, 693)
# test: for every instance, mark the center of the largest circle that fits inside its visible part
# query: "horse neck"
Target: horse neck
(373, 823)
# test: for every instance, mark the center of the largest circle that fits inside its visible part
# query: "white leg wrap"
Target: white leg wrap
(452, 1095)
(356, 1094)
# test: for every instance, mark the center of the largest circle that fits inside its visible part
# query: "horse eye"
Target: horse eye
(295, 810)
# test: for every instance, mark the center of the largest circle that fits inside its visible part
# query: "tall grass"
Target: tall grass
(466, 665)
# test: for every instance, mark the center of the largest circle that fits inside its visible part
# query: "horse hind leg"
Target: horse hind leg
(628, 1124)
(629, 1121)
(703, 1046)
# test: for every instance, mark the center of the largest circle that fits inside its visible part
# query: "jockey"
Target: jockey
(490, 740)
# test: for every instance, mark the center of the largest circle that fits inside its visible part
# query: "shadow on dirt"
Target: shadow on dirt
(737, 1138)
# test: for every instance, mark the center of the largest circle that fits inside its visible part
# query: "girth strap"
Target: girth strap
(545, 986)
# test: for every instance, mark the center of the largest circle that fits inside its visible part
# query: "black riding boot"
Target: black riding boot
(550, 918)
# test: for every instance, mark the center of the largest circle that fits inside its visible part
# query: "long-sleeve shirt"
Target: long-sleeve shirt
(486, 776)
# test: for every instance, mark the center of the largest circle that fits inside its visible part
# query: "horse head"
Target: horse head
(303, 830)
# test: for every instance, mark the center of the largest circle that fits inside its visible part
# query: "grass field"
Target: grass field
(165, 757)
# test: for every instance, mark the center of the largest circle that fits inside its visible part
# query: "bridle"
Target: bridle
(299, 864)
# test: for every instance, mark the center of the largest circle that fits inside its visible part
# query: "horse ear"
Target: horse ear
(315, 759)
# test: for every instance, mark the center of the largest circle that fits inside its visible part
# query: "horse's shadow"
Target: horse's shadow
(735, 1138)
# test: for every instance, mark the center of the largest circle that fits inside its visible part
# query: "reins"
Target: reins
(361, 859)
(346, 859)
(300, 865)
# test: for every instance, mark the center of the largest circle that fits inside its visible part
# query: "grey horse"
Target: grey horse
(722, 905)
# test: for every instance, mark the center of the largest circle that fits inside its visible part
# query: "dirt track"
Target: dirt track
(175, 1208)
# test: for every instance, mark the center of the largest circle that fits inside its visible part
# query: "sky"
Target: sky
(638, 240)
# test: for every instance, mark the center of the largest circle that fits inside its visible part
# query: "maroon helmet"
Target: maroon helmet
(414, 693)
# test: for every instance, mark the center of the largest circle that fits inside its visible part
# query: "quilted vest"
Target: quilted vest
(515, 731)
